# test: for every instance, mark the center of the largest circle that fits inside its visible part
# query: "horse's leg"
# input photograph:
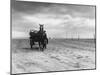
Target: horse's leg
(45, 46)
(42, 47)
(47, 40)
(31, 43)
(31, 46)
(39, 44)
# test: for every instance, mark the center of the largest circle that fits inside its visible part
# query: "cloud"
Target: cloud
(53, 8)
(58, 19)
(44, 19)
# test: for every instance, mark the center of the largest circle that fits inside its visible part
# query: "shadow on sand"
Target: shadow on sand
(34, 48)
(29, 49)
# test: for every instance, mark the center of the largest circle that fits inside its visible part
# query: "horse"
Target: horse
(40, 37)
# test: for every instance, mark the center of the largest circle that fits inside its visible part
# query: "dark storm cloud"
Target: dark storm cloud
(52, 8)
(28, 7)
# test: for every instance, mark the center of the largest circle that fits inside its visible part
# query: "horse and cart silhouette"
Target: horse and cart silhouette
(40, 37)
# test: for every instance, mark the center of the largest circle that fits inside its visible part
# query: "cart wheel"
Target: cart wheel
(41, 48)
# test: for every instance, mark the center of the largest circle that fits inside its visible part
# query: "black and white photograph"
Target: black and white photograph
(52, 37)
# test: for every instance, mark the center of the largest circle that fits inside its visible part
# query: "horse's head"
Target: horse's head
(41, 27)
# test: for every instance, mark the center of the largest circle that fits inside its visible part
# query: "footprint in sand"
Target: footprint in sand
(79, 57)
(46, 61)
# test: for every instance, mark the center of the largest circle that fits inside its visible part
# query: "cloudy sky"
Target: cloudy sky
(60, 20)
